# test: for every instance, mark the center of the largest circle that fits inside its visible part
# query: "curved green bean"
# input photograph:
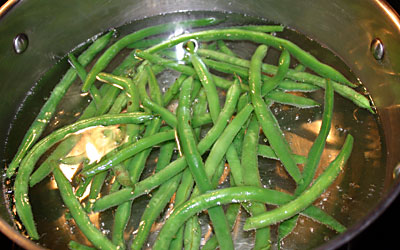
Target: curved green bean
(252, 178)
(292, 100)
(314, 155)
(78, 213)
(217, 198)
(266, 119)
(196, 165)
(283, 67)
(113, 50)
(345, 91)
(237, 34)
(307, 197)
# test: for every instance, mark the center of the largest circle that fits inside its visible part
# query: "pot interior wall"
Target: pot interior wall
(344, 27)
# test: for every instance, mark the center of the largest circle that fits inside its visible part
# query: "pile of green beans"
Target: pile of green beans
(212, 137)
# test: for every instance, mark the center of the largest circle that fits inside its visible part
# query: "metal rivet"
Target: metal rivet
(20, 43)
(377, 49)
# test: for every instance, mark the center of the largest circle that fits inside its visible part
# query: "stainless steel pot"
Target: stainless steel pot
(364, 34)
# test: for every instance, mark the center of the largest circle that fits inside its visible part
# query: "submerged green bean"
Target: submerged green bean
(266, 119)
(307, 197)
(113, 50)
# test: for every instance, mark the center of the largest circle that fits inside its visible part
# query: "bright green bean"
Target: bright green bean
(148, 103)
(266, 119)
(292, 100)
(224, 48)
(263, 28)
(252, 178)
(217, 198)
(283, 67)
(208, 85)
(73, 245)
(114, 49)
(185, 69)
(79, 214)
(236, 34)
(289, 85)
(307, 197)
(196, 165)
(343, 90)
(314, 155)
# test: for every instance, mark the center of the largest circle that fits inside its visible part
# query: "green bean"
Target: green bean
(145, 43)
(225, 49)
(79, 214)
(185, 69)
(37, 176)
(267, 152)
(48, 109)
(173, 90)
(231, 214)
(267, 120)
(201, 120)
(237, 34)
(73, 245)
(95, 188)
(169, 118)
(289, 85)
(84, 183)
(196, 165)
(252, 178)
(218, 172)
(187, 180)
(121, 218)
(292, 100)
(208, 85)
(192, 234)
(137, 164)
(307, 197)
(128, 152)
(237, 171)
(153, 210)
(95, 93)
(121, 174)
(272, 83)
(135, 167)
(217, 198)
(195, 90)
(145, 186)
(166, 152)
(343, 90)
(182, 194)
(113, 50)
(263, 28)
(314, 155)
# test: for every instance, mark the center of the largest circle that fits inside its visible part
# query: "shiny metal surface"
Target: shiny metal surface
(345, 27)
